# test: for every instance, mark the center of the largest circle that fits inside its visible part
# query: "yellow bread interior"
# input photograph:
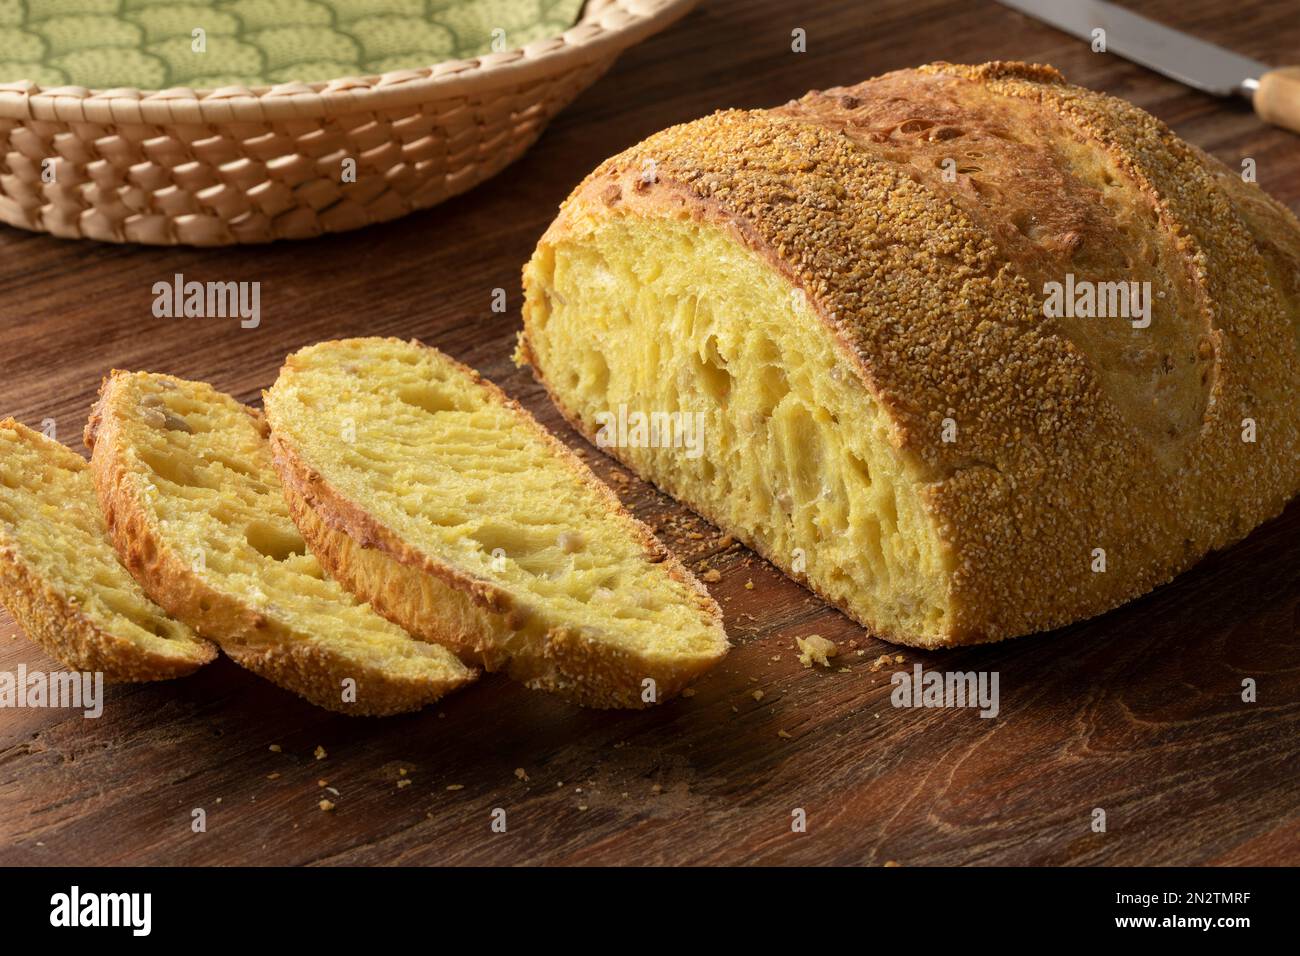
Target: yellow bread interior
(61, 578)
(187, 473)
(416, 456)
(661, 315)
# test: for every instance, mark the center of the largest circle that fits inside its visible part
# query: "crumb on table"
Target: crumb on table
(815, 649)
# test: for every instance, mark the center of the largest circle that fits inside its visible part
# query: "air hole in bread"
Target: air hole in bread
(860, 468)
(712, 370)
(274, 541)
(944, 133)
(132, 609)
(229, 462)
(773, 387)
(427, 397)
(532, 549)
(175, 470)
(914, 126)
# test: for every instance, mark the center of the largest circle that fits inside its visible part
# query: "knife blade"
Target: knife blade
(1179, 56)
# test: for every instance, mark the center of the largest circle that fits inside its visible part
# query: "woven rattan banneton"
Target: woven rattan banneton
(237, 165)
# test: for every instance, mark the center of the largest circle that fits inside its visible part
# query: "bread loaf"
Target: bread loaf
(444, 504)
(184, 478)
(60, 577)
(979, 353)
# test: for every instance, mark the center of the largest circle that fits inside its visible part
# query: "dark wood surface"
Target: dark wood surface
(1138, 712)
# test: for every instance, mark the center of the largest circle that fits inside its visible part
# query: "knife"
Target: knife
(1274, 93)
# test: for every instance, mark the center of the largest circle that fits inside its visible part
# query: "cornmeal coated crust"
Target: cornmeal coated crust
(80, 605)
(451, 605)
(1074, 434)
(393, 674)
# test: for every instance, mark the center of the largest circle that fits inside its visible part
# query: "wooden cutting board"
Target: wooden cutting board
(1138, 713)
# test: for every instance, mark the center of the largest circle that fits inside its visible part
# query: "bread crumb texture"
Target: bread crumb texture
(435, 497)
(61, 578)
(196, 513)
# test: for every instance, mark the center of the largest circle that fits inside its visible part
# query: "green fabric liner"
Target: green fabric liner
(149, 44)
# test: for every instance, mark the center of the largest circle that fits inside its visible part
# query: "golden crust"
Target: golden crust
(477, 618)
(1074, 436)
(256, 641)
(55, 619)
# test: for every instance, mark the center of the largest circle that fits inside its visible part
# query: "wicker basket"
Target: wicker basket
(236, 165)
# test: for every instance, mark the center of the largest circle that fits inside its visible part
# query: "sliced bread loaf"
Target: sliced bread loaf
(61, 579)
(194, 507)
(979, 353)
(443, 503)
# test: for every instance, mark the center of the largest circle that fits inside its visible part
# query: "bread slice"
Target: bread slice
(60, 577)
(194, 508)
(441, 501)
(862, 293)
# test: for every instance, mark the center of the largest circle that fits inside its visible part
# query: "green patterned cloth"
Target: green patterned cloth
(149, 44)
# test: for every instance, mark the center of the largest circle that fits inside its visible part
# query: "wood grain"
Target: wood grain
(1138, 712)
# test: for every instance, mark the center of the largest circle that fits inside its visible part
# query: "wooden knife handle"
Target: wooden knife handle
(1278, 98)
